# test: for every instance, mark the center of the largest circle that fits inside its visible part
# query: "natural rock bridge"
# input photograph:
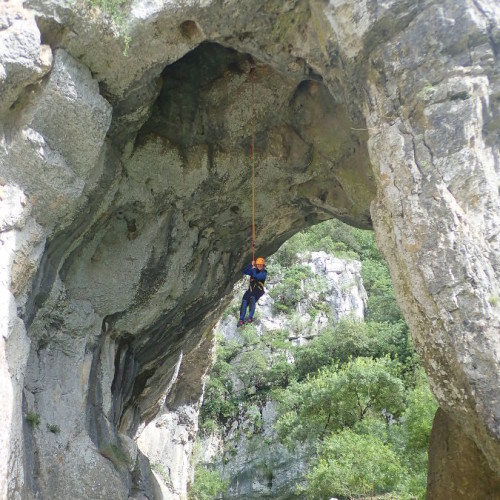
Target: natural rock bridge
(125, 207)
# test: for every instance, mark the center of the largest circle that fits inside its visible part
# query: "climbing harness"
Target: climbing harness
(252, 67)
(254, 283)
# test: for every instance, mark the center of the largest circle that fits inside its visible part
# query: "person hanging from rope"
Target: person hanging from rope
(258, 274)
(256, 270)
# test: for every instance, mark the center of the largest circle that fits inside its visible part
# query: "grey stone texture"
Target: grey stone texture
(125, 202)
(456, 463)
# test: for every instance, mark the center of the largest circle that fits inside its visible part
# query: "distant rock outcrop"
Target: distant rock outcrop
(125, 203)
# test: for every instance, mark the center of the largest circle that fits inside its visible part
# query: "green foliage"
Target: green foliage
(225, 351)
(249, 335)
(333, 237)
(33, 418)
(288, 292)
(418, 416)
(208, 425)
(208, 484)
(252, 368)
(353, 465)
(351, 338)
(219, 404)
(373, 272)
(276, 340)
(281, 373)
(338, 397)
(111, 8)
(55, 429)
(382, 306)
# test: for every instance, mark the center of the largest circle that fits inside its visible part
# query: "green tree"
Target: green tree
(338, 397)
(353, 465)
(219, 403)
(208, 484)
(251, 367)
(419, 414)
(333, 237)
(282, 372)
(350, 339)
(382, 306)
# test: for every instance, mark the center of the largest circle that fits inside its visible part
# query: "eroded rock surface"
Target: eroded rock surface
(455, 464)
(125, 202)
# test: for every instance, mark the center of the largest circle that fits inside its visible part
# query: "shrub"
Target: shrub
(208, 484)
(252, 368)
(276, 340)
(55, 429)
(33, 418)
(353, 465)
(281, 372)
(250, 335)
(207, 426)
(218, 403)
(288, 292)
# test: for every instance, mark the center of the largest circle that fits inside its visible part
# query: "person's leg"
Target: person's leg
(243, 309)
(252, 304)
(244, 305)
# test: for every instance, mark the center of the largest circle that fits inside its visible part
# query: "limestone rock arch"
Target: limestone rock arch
(124, 215)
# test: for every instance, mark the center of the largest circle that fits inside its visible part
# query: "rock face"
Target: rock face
(455, 464)
(125, 203)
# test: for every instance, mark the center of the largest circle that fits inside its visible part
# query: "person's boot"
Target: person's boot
(240, 323)
(250, 320)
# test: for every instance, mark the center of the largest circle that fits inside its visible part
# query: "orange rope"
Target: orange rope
(253, 168)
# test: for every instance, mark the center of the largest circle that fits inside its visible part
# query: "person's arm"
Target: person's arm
(248, 270)
(261, 275)
(258, 275)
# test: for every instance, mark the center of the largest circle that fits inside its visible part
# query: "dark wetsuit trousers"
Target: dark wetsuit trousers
(249, 301)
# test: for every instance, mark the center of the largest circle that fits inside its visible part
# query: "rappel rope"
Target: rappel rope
(253, 166)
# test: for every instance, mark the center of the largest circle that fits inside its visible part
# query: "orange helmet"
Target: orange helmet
(260, 260)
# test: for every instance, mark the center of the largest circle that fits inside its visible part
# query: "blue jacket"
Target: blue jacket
(257, 279)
